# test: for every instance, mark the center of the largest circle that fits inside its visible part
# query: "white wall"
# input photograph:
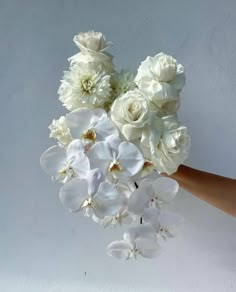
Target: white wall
(44, 248)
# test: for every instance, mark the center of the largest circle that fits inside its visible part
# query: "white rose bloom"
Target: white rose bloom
(161, 78)
(169, 108)
(92, 45)
(91, 41)
(169, 145)
(84, 86)
(103, 59)
(130, 113)
(60, 131)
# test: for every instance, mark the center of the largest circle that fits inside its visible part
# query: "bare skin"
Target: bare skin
(216, 190)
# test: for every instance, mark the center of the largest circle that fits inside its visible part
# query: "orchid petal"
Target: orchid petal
(74, 148)
(152, 215)
(170, 219)
(165, 188)
(131, 158)
(105, 128)
(78, 121)
(142, 231)
(147, 247)
(94, 178)
(114, 142)
(137, 201)
(81, 165)
(100, 155)
(73, 193)
(119, 249)
(53, 160)
(109, 200)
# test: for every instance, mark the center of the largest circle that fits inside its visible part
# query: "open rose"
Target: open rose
(93, 45)
(161, 78)
(91, 41)
(169, 144)
(130, 113)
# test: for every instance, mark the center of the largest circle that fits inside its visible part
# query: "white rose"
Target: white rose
(91, 41)
(165, 67)
(169, 144)
(130, 113)
(161, 78)
(92, 45)
(103, 59)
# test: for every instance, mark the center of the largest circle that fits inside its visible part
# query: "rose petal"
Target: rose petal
(130, 132)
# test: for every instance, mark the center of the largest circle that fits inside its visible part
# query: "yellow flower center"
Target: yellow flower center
(114, 167)
(87, 85)
(90, 135)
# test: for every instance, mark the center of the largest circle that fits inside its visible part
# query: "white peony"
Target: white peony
(92, 45)
(169, 145)
(60, 131)
(84, 86)
(161, 78)
(130, 113)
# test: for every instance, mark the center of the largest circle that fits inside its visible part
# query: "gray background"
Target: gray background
(43, 247)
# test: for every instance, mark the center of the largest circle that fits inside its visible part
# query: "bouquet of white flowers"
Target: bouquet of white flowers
(121, 133)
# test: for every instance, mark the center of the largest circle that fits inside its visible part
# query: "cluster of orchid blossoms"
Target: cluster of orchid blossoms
(121, 133)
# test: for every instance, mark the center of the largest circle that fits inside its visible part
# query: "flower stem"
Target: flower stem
(141, 218)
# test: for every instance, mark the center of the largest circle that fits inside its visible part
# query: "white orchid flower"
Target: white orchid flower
(92, 197)
(170, 225)
(116, 158)
(64, 164)
(90, 125)
(122, 217)
(152, 194)
(138, 242)
(167, 224)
